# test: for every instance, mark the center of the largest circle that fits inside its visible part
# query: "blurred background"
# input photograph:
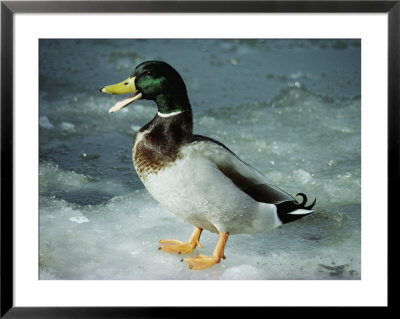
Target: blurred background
(290, 108)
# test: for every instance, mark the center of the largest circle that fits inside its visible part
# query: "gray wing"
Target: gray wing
(243, 175)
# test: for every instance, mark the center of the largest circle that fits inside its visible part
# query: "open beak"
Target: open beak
(124, 87)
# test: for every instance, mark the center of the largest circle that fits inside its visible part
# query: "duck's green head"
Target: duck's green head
(152, 80)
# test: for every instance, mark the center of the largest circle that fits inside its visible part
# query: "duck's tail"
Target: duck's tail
(292, 210)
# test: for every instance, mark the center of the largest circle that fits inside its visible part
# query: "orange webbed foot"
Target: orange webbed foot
(182, 247)
(202, 262)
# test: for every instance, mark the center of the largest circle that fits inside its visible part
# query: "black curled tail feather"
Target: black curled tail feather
(287, 210)
(302, 204)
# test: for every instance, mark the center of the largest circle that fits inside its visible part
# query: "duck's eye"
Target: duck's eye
(148, 72)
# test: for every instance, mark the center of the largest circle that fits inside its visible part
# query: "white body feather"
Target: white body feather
(195, 190)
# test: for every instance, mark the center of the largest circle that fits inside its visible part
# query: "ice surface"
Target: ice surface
(44, 122)
(67, 126)
(119, 240)
(290, 108)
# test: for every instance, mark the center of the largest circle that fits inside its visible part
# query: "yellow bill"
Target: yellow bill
(124, 87)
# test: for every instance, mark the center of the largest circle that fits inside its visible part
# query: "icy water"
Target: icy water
(290, 108)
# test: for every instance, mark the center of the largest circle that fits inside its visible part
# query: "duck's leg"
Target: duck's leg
(202, 261)
(182, 247)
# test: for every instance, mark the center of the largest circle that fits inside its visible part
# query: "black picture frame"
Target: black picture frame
(9, 8)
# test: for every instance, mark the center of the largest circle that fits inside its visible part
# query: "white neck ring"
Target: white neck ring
(169, 114)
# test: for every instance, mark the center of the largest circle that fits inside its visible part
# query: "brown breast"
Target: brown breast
(157, 145)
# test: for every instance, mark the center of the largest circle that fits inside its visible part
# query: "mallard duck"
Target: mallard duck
(197, 178)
